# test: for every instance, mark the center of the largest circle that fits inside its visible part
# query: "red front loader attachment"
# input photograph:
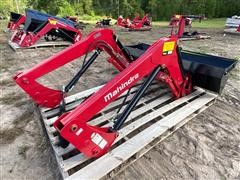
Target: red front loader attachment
(39, 25)
(138, 24)
(15, 21)
(179, 23)
(161, 61)
(103, 23)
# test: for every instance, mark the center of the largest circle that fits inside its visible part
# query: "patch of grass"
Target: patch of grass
(210, 23)
(89, 17)
(160, 23)
(92, 19)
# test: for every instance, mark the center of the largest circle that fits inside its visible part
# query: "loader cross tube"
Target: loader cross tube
(124, 115)
(76, 78)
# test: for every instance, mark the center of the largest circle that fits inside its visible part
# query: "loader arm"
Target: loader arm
(159, 61)
(103, 39)
(14, 24)
(26, 39)
(179, 22)
(140, 23)
(54, 24)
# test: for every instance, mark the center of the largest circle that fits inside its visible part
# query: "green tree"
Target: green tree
(158, 9)
(6, 6)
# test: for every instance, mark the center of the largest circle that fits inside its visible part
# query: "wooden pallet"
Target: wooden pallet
(40, 44)
(232, 23)
(155, 117)
(232, 31)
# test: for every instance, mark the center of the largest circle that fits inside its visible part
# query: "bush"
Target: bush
(66, 10)
(89, 17)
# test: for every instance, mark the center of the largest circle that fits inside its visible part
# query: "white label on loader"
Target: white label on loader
(79, 131)
(98, 140)
(102, 144)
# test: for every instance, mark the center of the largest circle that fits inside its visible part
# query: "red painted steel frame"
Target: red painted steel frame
(73, 126)
(49, 97)
(136, 24)
(177, 24)
(15, 25)
(25, 39)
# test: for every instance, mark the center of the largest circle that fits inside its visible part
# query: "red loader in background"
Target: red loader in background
(178, 24)
(38, 25)
(16, 20)
(103, 23)
(138, 24)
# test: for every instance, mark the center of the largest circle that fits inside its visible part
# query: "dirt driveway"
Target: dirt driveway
(208, 147)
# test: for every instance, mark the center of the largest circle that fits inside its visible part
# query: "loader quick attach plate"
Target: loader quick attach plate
(155, 117)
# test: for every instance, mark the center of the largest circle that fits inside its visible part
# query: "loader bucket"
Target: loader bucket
(15, 21)
(14, 17)
(38, 25)
(208, 71)
(36, 21)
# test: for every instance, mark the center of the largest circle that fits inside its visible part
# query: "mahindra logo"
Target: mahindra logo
(121, 87)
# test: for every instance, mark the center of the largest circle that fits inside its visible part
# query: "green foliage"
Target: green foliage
(53, 7)
(164, 9)
(93, 18)
(158, 9)
(66, 9)
(6, 6)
